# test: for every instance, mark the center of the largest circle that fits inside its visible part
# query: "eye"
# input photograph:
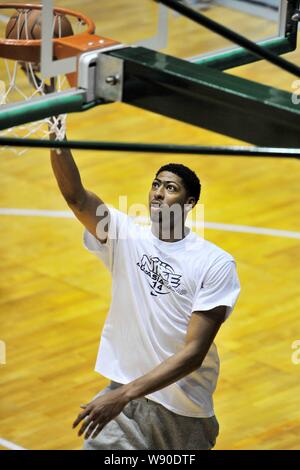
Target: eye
(171, 188)
(155, 184)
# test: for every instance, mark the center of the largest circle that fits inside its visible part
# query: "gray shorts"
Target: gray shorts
(144, 424)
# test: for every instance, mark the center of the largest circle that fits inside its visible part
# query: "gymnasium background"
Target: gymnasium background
(55, 296)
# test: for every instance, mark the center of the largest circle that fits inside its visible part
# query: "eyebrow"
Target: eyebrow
(160, 181)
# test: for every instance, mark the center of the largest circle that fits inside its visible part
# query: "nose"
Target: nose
(159, 192)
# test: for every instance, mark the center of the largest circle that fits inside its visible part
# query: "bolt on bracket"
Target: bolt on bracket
(109, 78)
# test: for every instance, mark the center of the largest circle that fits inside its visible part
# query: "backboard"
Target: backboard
(154, 26)
(158, 28)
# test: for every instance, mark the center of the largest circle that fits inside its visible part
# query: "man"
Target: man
(171, 292)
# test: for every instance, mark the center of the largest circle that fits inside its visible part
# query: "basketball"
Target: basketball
(28, 25)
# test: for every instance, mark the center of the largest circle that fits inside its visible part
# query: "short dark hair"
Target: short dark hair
(190, 180)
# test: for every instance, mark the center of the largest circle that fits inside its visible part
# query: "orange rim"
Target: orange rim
(28, 50)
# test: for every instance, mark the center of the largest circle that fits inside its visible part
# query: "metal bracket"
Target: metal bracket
(296, 16)
(109, 78)
(89, 75)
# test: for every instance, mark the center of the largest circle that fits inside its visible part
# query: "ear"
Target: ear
(191, 201)
(189, 205)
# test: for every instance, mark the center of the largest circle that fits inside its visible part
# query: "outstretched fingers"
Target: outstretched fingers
(80, 417)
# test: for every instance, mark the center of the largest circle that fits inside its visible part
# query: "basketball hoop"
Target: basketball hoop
(20, 56)
(29, 50)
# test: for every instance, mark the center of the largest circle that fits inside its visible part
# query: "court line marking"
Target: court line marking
(37, 213)
(10, 445)
(208, 225)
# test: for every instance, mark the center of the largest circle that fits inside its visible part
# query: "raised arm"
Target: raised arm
(83, 203)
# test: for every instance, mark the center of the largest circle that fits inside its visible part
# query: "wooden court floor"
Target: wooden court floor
(55, 295)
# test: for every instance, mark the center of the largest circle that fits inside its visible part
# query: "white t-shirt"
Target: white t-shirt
(156, 286)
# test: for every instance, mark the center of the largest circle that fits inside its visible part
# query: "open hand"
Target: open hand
(100, 411)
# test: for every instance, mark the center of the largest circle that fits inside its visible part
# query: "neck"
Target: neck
(169, 234)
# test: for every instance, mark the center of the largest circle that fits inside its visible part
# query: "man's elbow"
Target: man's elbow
(195, 356)
(76, 201)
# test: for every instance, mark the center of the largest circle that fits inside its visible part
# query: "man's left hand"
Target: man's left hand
(100, 411)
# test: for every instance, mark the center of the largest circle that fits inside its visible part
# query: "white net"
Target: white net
(21, 81)
(15, 88)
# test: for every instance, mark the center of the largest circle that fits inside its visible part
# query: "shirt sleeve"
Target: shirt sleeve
(220, 286)
(106, 251)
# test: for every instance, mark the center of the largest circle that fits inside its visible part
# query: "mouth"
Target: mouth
(155, 204)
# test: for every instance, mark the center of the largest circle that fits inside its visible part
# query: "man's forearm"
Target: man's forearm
(201, 332)
(67, 175)
(173, 369)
